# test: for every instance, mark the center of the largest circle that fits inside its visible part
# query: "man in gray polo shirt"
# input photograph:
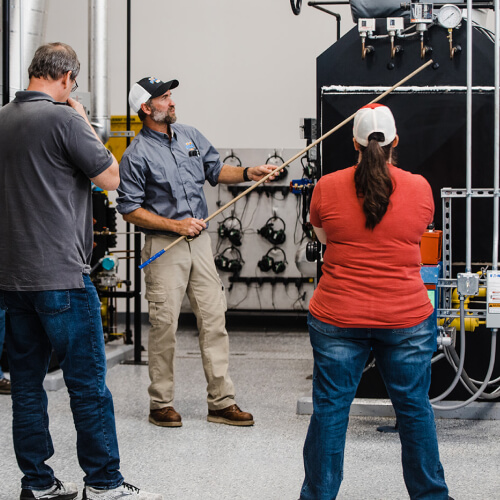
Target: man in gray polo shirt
(161, 191)
(49, 153)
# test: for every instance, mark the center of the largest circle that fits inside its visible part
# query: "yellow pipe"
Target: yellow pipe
(470, 323)
(104, 311)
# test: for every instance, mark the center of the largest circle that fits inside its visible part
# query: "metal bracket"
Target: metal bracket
(468, 284)
(446, 337)
(122, 133)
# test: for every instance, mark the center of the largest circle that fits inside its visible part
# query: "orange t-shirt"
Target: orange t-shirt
(371, 278)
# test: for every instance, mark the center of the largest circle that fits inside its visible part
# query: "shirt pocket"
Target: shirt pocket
(197, 169)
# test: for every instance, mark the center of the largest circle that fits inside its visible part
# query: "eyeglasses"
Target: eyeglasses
(75, 86)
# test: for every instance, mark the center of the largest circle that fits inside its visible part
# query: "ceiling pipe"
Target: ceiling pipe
(5, 52)
(98, 68)
(23, 31)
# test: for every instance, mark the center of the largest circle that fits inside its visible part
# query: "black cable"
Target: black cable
(486, 32)
(297, 208)
(306, 205)
(282, 174)
(302, 162)
(257, 289)
(230, 156)
(218, 202)
(128, 227)
(296, 6)
(277, 249)
(234, 306)
(243, 212)
(273, 196)
(277, 157)
(299, 301)
(300, 298)
(6, 51)
(253, 214)
(335, 14)
(233, 156)
(219, 244)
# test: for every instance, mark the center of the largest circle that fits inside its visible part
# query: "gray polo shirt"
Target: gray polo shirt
(166, 177)
(47, 154)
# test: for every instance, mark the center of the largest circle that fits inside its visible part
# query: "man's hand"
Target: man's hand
(256, 173)
(190, 227)
(230, 174)
(78, 107)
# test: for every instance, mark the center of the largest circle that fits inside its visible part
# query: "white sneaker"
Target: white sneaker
(59, 491)
(124, 492)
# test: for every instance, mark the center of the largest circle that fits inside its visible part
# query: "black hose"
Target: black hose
(6, 51)
(296, 6)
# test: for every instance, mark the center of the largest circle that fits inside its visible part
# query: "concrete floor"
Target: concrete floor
(209, 461)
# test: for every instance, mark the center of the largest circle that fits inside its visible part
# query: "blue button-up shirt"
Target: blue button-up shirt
(166, 177)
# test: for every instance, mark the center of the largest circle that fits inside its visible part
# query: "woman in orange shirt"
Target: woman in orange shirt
(371, 298)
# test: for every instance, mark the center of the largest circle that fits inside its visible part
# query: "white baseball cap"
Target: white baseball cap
(374, 118)
(147, 88)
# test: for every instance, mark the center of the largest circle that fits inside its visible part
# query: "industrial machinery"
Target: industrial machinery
(256, 241)
(104, 262)
(448, 126)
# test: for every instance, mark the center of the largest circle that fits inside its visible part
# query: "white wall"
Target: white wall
(246, 68)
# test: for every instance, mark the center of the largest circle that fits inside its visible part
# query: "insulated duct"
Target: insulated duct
(27, 29)
(98, 67)
(381, 8)
(397, 8)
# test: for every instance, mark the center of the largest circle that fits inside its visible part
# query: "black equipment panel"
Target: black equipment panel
(432, 130)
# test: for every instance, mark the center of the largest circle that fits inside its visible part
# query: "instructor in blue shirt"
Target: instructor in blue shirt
(162, 173)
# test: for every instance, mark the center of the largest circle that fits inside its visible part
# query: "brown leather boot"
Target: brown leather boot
(231, 415)
(4, 386)
(165, 417)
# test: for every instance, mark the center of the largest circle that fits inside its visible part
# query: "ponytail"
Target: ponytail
(373, 180)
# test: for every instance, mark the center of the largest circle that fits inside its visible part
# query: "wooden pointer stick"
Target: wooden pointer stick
(280, 167)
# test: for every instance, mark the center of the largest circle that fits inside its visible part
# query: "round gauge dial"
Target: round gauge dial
(449, 16)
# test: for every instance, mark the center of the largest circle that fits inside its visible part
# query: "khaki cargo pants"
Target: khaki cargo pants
(188, 267)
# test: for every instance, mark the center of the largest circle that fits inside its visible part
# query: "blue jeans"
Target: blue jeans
(2, 337)
(404, 359)
(68, 321)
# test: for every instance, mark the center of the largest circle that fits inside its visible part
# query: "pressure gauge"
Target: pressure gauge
(449, 16)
